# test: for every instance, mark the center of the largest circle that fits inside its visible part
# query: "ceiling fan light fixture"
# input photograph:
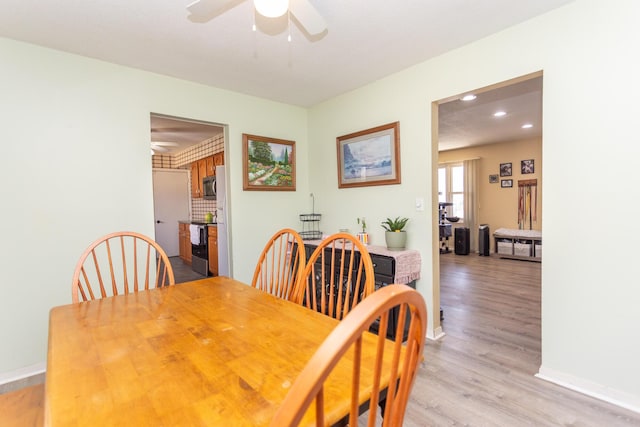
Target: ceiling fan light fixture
(271, 8)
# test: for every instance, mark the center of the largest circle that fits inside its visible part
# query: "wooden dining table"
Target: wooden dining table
(209, 352)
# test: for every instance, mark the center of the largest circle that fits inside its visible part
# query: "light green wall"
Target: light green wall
(76, 165)
(590, 295)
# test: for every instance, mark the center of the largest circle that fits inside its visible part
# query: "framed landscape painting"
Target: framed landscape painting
(269, 164)
(369, 157)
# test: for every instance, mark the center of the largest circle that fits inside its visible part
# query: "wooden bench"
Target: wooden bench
(518, 244)
(23, 407)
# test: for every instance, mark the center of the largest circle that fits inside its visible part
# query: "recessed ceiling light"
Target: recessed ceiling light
(499, 113)
(527, 126)
(469, 97)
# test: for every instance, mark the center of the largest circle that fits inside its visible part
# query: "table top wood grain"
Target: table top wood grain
(210, 352)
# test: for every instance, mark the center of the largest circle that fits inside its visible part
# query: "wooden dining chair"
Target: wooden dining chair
(280, 265)
(120, 263)
(397, 364)
(338, 275)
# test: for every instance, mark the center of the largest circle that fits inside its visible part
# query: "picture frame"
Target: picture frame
(506, 169)
(268, 164)
(506, 183)
(369, 157)
(527, 166)
(493, 179)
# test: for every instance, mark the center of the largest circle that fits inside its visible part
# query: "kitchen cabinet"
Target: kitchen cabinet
(202, 171)
(196, 182)
(202, 168)
(218, 159)
(184, 242)
(213, 249)
(211, 167)
(198, 171)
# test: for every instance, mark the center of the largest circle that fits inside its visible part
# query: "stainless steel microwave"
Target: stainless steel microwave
(209, 191)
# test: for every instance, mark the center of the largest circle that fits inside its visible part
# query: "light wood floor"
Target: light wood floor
(482, 372)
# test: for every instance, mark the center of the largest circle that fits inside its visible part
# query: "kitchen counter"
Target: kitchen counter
(197, 222)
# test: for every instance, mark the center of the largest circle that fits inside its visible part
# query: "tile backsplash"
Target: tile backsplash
(183, 160)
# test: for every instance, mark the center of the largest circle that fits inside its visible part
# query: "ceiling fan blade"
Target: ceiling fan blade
(206, 10)
(308, 16)
(158, 149)
(164, 143)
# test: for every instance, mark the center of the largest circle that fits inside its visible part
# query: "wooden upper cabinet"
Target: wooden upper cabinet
(196, 182)
(200, 169)
(211, 167)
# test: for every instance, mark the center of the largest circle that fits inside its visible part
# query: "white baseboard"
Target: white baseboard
(437, 334)
(21, 373)
(589, 388)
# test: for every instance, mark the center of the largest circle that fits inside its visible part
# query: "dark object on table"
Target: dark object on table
(453, 219)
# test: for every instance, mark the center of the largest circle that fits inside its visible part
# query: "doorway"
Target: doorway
(178, 146)
(464, 129)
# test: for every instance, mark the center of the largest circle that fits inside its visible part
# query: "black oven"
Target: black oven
(199, 249)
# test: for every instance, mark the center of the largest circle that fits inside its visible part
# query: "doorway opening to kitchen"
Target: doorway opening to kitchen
(185, 152)
(493, 141)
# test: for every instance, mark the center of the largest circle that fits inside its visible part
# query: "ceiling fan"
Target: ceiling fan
(302, 10)
(162, 146)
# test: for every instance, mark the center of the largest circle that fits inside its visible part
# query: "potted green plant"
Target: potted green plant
(363, 236)
(394, 235)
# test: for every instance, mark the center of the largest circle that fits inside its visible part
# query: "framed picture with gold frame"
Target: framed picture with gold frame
(369, 157)
(269, 164)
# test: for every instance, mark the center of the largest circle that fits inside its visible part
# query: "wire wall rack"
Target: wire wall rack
(311, 224)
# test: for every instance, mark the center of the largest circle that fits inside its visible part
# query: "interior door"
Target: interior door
(170, 205)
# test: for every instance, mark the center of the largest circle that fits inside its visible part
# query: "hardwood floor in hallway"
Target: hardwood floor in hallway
(481, 373)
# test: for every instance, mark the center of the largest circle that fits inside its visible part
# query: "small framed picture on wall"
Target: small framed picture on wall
(506, 183)
(505, 169)
(493, 179)
(526, 166)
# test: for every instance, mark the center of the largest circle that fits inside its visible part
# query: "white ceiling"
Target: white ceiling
(365, 39)
(171, 135)
(466, 123)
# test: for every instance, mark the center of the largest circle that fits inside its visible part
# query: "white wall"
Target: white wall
(590, 291)
(76, 165)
